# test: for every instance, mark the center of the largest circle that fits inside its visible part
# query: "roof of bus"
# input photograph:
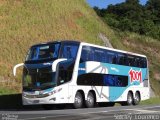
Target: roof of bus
(116, 50)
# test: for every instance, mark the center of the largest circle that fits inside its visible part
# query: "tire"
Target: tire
(90, 102)
(129, 100)
(137, 99)
(78, 101)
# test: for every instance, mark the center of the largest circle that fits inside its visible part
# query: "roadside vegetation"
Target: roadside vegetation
(151, 101)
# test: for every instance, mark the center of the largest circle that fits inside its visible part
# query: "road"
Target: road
(151, 112)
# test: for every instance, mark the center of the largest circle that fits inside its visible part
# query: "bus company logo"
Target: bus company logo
(135, 75)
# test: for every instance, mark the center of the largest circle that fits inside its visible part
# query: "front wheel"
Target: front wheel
(78, 101)
(90, 102)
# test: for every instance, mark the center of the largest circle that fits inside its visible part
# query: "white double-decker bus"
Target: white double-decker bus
(83, 74)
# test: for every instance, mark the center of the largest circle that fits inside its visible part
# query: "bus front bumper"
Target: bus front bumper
(46, 100)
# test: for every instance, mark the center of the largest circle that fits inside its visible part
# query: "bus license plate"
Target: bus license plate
(36, 101)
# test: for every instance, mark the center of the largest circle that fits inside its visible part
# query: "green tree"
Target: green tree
(132, 16)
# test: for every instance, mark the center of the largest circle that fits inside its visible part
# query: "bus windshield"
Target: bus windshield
(43, 52)
(38, 79)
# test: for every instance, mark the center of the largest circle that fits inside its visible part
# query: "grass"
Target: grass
(151, 101)
(4, 90)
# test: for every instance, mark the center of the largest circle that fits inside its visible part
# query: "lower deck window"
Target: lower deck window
(94, 79)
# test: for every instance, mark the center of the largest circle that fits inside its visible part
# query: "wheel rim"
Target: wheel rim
(78, 100)
(137, 98)
(90, 100)
(130, 99)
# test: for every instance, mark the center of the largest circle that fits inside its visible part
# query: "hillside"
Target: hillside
(26, 22)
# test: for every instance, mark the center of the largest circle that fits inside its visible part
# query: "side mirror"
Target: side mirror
(15, 68)
(54, 64)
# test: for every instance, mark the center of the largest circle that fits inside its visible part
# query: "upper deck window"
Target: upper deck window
(43, 52)
(69, 50)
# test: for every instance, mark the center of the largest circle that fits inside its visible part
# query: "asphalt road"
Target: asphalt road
(99, 113)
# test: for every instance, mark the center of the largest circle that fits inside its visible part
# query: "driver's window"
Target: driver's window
(65, 71)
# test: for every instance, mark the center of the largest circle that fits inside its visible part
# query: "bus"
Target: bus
(83, 74)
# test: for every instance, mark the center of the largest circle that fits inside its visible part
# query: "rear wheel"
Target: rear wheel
(78, 100)
(137, 99)
(90, 102)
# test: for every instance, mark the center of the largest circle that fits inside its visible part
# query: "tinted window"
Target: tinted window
(130, 61)
(99, 55)
(65, 71)
(102, 80)
(69, 51)
(42, 52)
(143, 63)
(115, 80)
(90, 79)
(87, 54)
(107, 56)
(111, 57)
(121, 60)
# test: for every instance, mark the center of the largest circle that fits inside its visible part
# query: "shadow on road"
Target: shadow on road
(13, 102)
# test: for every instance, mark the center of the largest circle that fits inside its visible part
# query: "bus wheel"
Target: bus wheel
(90, 102)
(136, 99)
(78, 100)
(129, 99)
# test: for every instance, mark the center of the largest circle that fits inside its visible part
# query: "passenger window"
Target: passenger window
(69, 51)
(111, 57)
(143, 63)
(87, 54)
(121, 59)
(130, 61)
(84, 54)
(99, 55)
